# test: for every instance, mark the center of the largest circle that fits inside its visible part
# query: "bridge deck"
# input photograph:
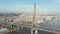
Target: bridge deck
(28, 25)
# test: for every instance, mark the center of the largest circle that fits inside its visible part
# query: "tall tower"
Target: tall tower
(34, 18)
(34, 15)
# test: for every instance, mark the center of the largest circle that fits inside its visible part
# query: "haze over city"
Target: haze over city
(26, 6)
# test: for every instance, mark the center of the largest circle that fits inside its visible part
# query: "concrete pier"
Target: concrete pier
(36, 31)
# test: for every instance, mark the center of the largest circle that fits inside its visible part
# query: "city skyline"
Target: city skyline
(26, 6)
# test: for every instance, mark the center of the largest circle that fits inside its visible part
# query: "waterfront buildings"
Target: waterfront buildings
(26, 18)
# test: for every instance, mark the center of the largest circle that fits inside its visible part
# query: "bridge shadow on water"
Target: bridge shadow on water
(27, 31)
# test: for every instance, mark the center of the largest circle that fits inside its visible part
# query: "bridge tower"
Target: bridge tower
(34, 19)
(34, 15)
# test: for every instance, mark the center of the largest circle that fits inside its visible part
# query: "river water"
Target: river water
(27, 31)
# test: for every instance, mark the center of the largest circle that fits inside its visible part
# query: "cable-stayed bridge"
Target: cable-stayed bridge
(29, 25)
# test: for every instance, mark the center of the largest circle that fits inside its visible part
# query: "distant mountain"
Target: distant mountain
(10, 14)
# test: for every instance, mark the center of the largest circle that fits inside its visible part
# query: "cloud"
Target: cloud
(56, 1)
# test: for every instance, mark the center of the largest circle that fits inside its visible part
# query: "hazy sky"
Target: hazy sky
(27, 6)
